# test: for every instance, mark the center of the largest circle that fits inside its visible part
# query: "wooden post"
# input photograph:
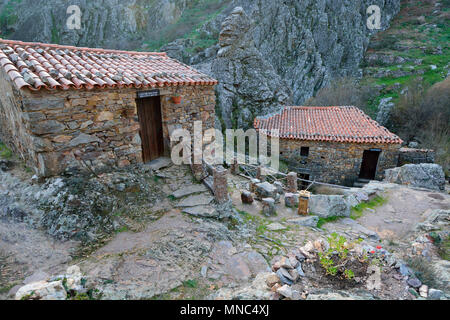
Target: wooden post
(303, 203)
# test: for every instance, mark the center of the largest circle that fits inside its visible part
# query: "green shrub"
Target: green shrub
(423, 270)
(5, 152)
(335, 258)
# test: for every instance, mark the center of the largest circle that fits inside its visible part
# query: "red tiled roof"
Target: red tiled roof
(36, 66)
(338, 124)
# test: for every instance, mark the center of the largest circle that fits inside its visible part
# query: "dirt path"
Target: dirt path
(405, 208)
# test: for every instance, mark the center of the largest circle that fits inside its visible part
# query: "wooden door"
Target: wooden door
(149, 112)
(369, 165)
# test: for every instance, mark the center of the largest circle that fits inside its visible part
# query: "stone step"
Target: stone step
(201, 211)
(159, 164)
(364, 180)
(194, 201)
(189, 190)
(359, 184)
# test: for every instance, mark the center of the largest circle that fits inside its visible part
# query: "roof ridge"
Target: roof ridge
(36, 65)
(347, 124)
(319, 107)
(86, 49)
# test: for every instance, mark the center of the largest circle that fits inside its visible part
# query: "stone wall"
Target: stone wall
(337, 163)
(415, 156)
(12, 128)
(100, 126)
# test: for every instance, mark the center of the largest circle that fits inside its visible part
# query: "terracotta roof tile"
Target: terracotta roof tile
(338, 124)
(37, 66)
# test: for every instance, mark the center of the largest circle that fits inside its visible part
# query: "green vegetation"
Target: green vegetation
(194, 16)
(5, 152)
(323, 221)
(423, 270)
(8, 16)
(444, 249)
(358, 210)
(122, 229)
(8, 287)
(413, 61)
(189, 290)
(190, 284)
(336, 257)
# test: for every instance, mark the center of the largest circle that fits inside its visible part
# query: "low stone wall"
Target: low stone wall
(49, 128)
(337, 163)
(415, 156)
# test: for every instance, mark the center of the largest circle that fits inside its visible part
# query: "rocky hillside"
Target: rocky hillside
(283, 53)
(105, 23)
(280, 53)
(416, 47)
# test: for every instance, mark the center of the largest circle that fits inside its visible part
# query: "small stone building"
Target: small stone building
(336, 145)
(61, 105)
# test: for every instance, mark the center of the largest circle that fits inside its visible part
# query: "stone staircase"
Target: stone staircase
(360, 183)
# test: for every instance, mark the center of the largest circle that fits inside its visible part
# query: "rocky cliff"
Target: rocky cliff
(301, 46)
(104, 23)
(271, 53)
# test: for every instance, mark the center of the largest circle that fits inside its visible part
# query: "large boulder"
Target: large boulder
(425, 175)
(246, 79)
(326, 206)
(384, 111)
(266, 190)
(257, 290)
(42, 290)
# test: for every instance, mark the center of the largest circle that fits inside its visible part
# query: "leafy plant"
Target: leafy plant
(190, 284)
(335, 259)
(349, 274)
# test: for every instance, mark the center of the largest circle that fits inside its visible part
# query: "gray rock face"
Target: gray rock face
(426, 175)
(326, 206)
(287, 52)
(310, 221)
(104, 23)
(384, 111)
(298, 44)
(246, 81)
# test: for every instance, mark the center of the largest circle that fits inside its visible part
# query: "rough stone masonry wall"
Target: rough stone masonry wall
(12, 129)
(416, 156)
(101, 126)
(337, 163)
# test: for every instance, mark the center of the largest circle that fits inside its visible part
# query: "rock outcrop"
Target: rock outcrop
(326, 206)
(104, 23)
(285, 52)
(306, 44)
(247, 82)
(384, 111)
(426, 175)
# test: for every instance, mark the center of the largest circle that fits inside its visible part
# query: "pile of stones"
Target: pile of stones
(288, 270)
(269, 195)
(61, 287)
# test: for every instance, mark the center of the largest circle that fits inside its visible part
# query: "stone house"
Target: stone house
(338, 145)
(62, 105)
